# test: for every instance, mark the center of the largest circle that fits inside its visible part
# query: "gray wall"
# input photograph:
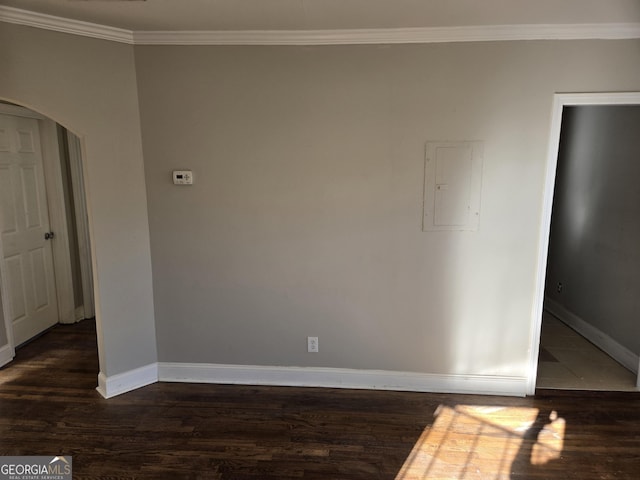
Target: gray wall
(89, 86)
(305, 216)
(595, 236)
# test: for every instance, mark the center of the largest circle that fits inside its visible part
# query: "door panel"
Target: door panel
(25, 141)
(15, 279)
(40, 290)
(31, 202)
(7, 205)
(24, 222)
(4, 140)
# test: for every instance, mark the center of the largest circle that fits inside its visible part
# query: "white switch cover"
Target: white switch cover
(182, 177)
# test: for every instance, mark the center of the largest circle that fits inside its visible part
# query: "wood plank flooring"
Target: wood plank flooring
(48, 405)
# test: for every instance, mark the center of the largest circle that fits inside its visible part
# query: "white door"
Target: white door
(24, 221)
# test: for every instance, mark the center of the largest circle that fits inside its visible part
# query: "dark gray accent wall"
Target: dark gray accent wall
(594, 247)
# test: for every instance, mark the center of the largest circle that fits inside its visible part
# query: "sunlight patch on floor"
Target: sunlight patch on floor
(8, 375)
(482, 442)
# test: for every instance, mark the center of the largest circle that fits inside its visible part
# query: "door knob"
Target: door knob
(48, 235)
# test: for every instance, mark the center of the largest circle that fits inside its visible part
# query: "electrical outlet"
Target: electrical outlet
(559, 288)
(312, 344)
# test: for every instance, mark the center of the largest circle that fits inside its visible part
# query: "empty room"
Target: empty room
(328, 239)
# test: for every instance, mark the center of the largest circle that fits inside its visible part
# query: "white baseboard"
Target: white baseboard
(309, 377)
(6, 354)
(603, 341)
(125, 382)
(340, 378)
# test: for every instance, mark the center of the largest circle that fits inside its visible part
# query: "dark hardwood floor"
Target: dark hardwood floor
(48, 406)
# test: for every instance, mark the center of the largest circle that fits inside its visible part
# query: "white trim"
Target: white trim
(595, 98)
(596, 336)
(479, 33)
(82, 223)
(543, 243)
(340, 378)
(560, 100)
(125, 382)
(7, 353)
(308, 377)
(64, 25)
(57, 221)
(484, 33)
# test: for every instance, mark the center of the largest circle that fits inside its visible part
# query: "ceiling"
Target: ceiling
(242, 15)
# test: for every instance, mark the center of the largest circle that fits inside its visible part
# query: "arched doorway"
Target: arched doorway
(45, 269)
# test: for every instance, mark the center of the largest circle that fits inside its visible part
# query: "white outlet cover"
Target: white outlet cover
(312, 344)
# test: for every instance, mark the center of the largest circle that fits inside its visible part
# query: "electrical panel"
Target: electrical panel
(452, 185)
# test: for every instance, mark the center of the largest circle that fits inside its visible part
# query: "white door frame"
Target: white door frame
(57, 222)
(560, 100)
(82, 224)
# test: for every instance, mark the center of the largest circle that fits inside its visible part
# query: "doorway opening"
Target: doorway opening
(45, 264)
(585, 336)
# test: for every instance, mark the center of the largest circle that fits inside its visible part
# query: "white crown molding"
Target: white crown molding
(483, 33)
(64, 25)
(392, 35)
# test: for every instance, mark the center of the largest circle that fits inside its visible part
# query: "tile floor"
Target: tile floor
(569, 361)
